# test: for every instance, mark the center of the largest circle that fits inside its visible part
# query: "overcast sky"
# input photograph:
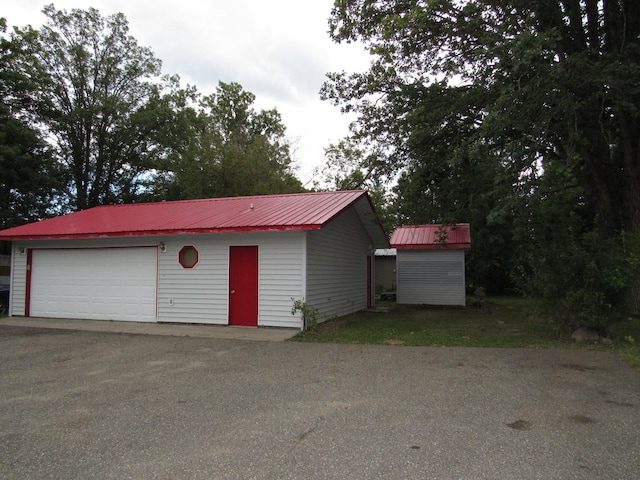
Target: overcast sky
(277, 49)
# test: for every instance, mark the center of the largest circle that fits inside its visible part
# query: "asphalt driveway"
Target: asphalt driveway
(78, 404)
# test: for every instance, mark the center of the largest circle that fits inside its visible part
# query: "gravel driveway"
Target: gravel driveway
(77, 404)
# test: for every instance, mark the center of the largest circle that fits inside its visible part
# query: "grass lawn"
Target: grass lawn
(504, 322)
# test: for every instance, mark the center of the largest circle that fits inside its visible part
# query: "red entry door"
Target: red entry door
(243, 286)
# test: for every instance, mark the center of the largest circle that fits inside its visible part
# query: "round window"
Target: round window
(188, 256)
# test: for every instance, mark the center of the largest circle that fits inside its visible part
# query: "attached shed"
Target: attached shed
(386, 269)
(230, 261)
(430, 263)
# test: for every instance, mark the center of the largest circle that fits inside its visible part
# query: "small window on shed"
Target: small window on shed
(188, 256)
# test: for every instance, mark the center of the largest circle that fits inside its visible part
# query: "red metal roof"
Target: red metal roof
(432, 236)
(304, 211)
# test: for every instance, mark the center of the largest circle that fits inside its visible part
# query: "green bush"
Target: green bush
(582, 281)
(310, 315)
(579, 308)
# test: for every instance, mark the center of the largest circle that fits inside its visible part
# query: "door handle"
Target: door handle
(232, 292)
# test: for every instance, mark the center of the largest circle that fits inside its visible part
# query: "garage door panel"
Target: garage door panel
(101, 284)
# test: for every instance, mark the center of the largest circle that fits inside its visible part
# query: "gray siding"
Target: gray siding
(431, 277)
(337, 267)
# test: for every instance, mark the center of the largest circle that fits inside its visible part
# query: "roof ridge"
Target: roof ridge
(434, 225)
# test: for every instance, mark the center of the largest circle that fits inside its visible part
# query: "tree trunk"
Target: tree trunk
(633, 298)
(630, 137)
(633, 295)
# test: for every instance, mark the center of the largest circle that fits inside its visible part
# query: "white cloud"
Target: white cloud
(279, 50)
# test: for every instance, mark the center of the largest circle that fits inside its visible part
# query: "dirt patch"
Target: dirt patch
(622, 404)
(329, 326)
(582, 419)
(579, 368)
(520, 425)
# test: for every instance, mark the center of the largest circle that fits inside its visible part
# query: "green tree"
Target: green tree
(27, 174)
(471, 188)
(350, 167)
(344, 169)
(231, 150)
(29, 182)
(513, 87)
(100, 101)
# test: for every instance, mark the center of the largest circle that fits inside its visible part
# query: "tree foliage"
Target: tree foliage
(29, 181)
(349, 167)
(520, 116)
(88, 119)
(230, 150)
(27, 174)
(101, 100)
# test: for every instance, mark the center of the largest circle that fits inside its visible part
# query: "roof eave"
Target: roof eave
(156, 233)
(449, 246)
(375, 230)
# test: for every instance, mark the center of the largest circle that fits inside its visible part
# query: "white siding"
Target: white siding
(431, 277)
(200, 294)
(281, 278)
(193, 295)
(337, 267)
(18, 282)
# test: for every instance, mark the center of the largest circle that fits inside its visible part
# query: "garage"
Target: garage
(189, 261)
(93, 283)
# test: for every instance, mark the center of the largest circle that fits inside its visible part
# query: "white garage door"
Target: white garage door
(100, 284)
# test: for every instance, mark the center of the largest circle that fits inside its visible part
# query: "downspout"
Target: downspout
(304, 274)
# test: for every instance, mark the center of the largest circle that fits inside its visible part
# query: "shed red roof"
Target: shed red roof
(304, 211)
(432, 236)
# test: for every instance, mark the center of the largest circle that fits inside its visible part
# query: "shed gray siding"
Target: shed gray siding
(337, 267)
(431, 277)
